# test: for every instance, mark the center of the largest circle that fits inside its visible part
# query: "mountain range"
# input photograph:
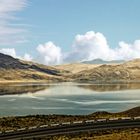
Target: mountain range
(16, 70)
(101, 61)
(12, 69)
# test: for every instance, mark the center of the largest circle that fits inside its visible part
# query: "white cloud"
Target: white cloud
(12, 52)
(11, 34)
(27, 57)
(90, 46)
(93, 45)
(9, 51)
(8, 6)
(127, 51)
(50, 53)
(86, 47)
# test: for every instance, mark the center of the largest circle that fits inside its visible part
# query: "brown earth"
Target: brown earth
(126, 72)
(15, 70)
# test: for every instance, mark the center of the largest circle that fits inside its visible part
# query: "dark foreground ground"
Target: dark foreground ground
(123, 134)
(10, 123)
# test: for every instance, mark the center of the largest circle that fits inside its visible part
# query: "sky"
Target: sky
(63, 31)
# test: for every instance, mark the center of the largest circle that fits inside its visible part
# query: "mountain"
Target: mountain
(100, 61)
(125, 72)
(12, 69)
(15, 70)
(76, 67)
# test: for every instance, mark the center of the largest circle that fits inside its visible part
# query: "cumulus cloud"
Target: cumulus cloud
(93, 45)
(85, 47)
(27, 57)
(10, 34)
(50, 53)
(9, 51)
(127, 51)
(12, 52)
(89, 46)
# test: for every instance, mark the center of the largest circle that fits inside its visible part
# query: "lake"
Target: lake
(67, 98)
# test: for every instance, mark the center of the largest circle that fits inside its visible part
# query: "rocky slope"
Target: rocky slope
(126, 72)
(12, 69)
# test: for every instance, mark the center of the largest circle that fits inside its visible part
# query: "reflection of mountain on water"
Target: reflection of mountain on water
(19, 89)
(111, 87)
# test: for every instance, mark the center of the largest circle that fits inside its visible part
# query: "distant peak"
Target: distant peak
(101, 61)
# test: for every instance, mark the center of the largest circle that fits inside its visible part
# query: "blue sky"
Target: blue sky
(59, 21)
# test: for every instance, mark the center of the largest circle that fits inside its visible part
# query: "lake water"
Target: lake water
(67, 98)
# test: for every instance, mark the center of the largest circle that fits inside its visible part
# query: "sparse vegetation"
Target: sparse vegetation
(121, 134)
(8, 123)
(22, 71)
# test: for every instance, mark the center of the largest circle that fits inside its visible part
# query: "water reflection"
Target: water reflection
(20, 89)
(111, 87)
(10, 89)
(67, 98)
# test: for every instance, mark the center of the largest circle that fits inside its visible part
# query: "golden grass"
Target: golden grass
(77, 67)
(8, 123)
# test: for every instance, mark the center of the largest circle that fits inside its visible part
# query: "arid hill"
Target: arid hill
(12, 69)
(8, 123)
(132, 112)
(100, 61)
(77, 67)
(126, 72)
(15, 70)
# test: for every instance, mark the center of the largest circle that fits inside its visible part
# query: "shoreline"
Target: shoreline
(69, 81)
(96, 114)
(16, 122)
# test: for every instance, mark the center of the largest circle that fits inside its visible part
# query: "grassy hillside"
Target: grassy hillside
(15, 70)
(76, 67)
(8, 123)
(126, 72)
(12, 69)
